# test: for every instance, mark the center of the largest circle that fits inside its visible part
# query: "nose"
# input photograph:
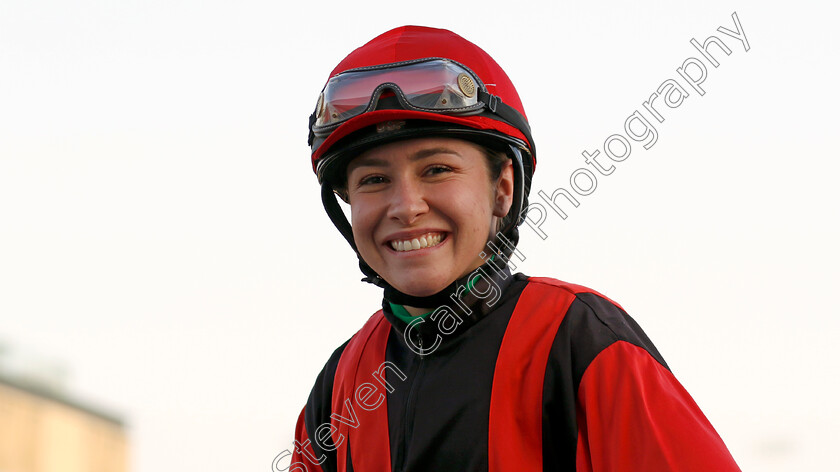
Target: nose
(408, 201)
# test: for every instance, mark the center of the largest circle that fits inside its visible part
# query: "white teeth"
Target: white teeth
(424, 241)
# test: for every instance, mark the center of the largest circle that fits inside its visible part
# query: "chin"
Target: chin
(419, 288)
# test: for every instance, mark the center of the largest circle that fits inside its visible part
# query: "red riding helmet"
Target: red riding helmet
(413, 82)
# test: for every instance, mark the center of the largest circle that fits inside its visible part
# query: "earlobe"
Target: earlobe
(504, 191)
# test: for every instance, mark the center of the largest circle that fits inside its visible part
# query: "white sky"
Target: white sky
(161, 232)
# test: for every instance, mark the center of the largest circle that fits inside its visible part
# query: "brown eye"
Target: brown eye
(438, 170)
(372, 180)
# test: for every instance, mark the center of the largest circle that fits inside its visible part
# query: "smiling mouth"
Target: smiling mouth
(420, 242)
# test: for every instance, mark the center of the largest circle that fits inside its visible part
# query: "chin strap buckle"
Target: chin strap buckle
(375, 280)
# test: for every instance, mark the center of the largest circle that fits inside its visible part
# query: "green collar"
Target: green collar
(400, 312)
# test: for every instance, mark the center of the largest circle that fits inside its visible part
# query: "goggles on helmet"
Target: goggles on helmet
(434, 85)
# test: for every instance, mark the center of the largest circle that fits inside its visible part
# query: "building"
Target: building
(41, 430)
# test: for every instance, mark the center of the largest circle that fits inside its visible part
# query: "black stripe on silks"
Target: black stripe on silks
(349, 458)
(591, 324)
(439, 416)
(622, 325)
(319, 407)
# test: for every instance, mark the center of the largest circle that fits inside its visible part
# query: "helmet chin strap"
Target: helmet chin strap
(503, 249)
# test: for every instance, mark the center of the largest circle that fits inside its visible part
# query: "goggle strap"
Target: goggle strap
(511, 115)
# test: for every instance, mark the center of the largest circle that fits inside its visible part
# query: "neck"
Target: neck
(414, 311)
(463, 307)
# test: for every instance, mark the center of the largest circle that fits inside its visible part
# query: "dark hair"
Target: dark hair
(496, 160)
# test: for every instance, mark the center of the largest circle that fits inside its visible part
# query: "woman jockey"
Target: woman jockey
(467, 366)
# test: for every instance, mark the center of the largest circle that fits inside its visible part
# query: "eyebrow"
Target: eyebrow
(421, 154)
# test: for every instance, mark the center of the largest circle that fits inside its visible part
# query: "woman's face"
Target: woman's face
(423, 209)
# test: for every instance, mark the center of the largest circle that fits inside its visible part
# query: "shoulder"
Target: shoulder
(574, 290)
(581, 307)
(588, 322)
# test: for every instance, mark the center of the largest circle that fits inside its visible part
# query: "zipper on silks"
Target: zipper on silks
(409, 408)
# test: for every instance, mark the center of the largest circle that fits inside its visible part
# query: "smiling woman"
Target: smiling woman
(424, 135)
(423, 209)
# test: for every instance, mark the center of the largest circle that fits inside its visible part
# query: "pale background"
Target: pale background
(161, 233)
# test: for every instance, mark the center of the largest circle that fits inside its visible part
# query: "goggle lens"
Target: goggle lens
(434, 85)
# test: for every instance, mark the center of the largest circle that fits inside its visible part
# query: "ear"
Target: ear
(504, 191)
